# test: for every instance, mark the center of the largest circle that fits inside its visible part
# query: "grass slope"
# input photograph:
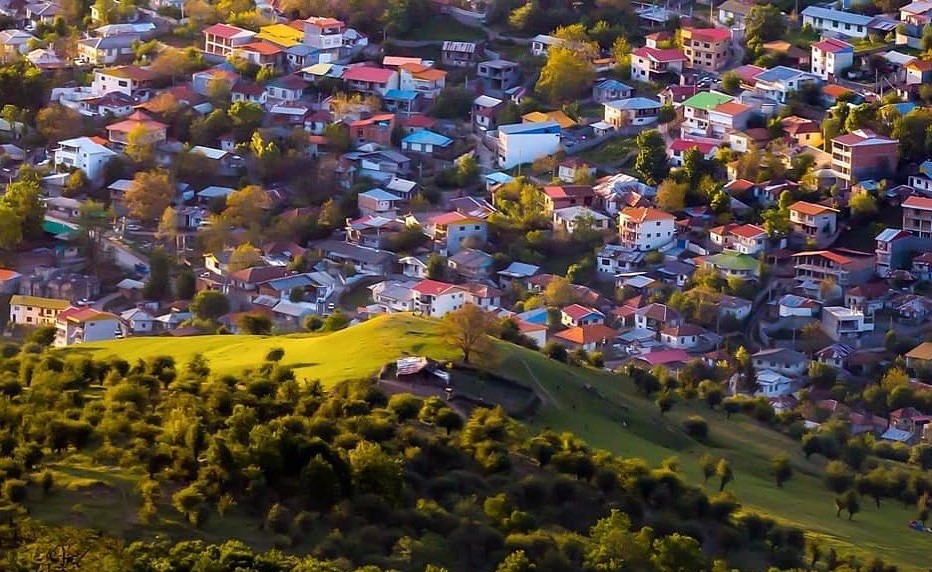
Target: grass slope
(594, 405)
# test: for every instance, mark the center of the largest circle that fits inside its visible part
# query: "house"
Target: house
(138, 321)
(645, 229)
(728, 117)
(516, 272)
(706, 48)
(84, 153)
(802, 132)
(734, 12)
(868, 297)
(147, 130)
(835, 355)
(745, 239)
(471, 264)
(482, 295)
(681, 337)
(373, 231)
(920, 357)
(368, 79)
(14, 43)
(791, 305)
(578, 315)
(394, 295)
(124, 79)
(521, 143)
(451, 230)
(731, 264)
(424, 80)
(563, 196)
(863, 154)
(405, 101)
(781, 360)
(779, 82)
(261, 53)
(460, 54)
(281, 35)
(484, 110)
(841, 323)
(610, 90)
(734, 307)
(569, 219)
(696, 112)
(830, 57)
(773, 384)
(361, 258)
(84, 325)
(655, 64)
(376, 202)
(845, 268)
(892, 251)
(285, 88)
(36, 311)
(836, 21)
(570, 169)
(222, 74)
(497, 77)
(222, 39)
(656, 317)
(922, 181)
(677, 150)
(918, 72)
(917, 216)
(437, 299)
(375, 129)
(328, 36)
(63, 207)
(589, 338)
(541, 44)
(634, 111)
(813, 221)
(922, 266)
(426, 141)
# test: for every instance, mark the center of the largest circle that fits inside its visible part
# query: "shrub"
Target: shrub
(14, 490)
(553, 350)
(696, 427)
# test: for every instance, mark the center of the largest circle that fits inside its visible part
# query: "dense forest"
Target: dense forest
(346, 479)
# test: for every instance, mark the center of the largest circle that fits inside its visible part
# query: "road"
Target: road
(100, 304)
(124, 257)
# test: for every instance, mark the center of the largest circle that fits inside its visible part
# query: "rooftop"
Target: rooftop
(707, 100)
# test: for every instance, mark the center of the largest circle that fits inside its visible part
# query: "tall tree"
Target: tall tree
(652, 163)
(247, 206)
(150, 193)
(140, 147)
(24, 197)
(56, 122)
(468, 329)
(11, 231)
(781, 468)
(210, 305)
(565, 76)
(244, 256)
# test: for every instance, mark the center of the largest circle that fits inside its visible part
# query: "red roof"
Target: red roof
(7, 274)
(450, 218)
(660, 55)
(832, 45)
(748, 72)
(262, 48)
(665, 356)
(918, 202)
(732, 108)
(423, 121)
(224, 31)
(828, 255)
(683, 145)
(326, 22)
(564, 191)
(810, 209)
(642, 214)
(587, 334)
(136, 119)
(709, 34)
(748, 231)
(577, 311)
(368, 74)
(740, 186)
(433, 287)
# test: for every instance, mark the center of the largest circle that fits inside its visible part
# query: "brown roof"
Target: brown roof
(810, 208)
(643, 214)
(259, 274)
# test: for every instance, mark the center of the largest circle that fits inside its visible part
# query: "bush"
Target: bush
(553, 350)
(14, 490)
(696, 427)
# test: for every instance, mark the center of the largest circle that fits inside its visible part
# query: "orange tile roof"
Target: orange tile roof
(587, 334)
(262, 48)
(810, 209)
(643, 214)
(748, 231)
(918, 202)
(732, 108)
(6, 274)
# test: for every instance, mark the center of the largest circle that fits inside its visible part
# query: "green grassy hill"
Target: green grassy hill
(594, 405)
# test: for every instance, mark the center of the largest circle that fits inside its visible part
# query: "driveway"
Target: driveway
(124, 257)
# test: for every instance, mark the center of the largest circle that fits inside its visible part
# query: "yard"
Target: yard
(617, 152)
(444, 28)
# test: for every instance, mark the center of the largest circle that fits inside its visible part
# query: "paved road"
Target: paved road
(124, 257)
(99, 304)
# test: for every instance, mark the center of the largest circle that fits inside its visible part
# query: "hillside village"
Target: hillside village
(646, 187)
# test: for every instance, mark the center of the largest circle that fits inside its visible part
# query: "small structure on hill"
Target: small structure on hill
(420, 369)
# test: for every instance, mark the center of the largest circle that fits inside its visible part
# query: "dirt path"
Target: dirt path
(548, 398)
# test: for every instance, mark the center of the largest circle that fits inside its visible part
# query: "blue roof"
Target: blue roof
(380, 195)
(499, 178)
(926, 168)
(427, 137)
(536, 316)
(837, 16)
(904, 107)
(634, 103)
(613, 84)
(401, 94)
(778, 73)
(530, 128)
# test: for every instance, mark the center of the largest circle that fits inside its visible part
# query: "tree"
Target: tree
(665, 401)
(150, 193)
(255, 323)
(565, 76)
(75, 184)
(559, 292)
(621, 53)
(848, 501)
(516, 562)
(336, 321)
(247, 117)
(11, 230)
(157, 285)
(467, 171)
(724, 473)
(707, 463)
(671, 196)
(781, 468)
(247, 206)
(210, 305)
(140, 145)
(678, 552)
(468, 329)
(57, 122)
(764, 23)
(436, 267)
(376, 472)
(185, 285)
(24, 197)
(926, 44)
(863, 206)
(244, 256)
(168, 227)
(731, 83)
(652, 163)
(613, 546)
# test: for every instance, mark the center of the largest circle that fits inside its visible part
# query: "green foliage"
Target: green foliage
(652, 163)
(210, 305)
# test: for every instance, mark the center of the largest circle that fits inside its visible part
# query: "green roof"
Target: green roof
(707, 100)
(58, 228)
(734, 261)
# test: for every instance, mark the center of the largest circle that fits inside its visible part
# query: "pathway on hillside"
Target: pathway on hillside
(543, 390)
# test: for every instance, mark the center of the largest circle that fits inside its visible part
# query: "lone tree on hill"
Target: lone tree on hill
(467, 329)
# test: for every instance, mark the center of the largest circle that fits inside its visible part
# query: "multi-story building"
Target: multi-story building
(696, 112)
(645, 229)
(922, 181)
(780, 82)
(460, 54)
(745, 239)
(563, 196)
(845, 268)
(706, 48)
(424, 80)
(917, 216)
(830, 57)
(123, 79)
(148, 130)
(810, 220)
(653, 64)
(451, 230)
(326, 36)
(892, 250)
(437, 299)
(222, 39)
(35, 310)
(863, 154)
(836, 21)
(85, 153)
(524, 142)
(368, 79)
(498, 76)
(840, 323)
(633, 111)
(83, 325)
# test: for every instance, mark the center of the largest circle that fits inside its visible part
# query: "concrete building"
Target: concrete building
(830, 57)
(437, 299)
(634, 111)
(521, 143)
(222, 39)
(123, 79)
(653, 64)
(706, 48)
(696, 112)
(85, 153)
(813, 221)
(836, 21)
(496, 77)
(917, 216)
(645, 229)
(780, 82)
(841, 323)
(863, 154)
(36, 311)
(83, 325)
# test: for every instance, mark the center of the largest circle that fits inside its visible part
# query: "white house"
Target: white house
(437, 299)
(541, 44)
(781, 360)
(568, 219)
(773, 384)
(779, 82)
(578, 315)
(84, 153)
(36, 311)
(84, 325)
(138, 321)
(837, 21)
(648, 64)
(839, 322)
(645, 229)
(521, 143)
(123, 79)
(681, 337)
(394, 296)
(633, 111)
(830, 57)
